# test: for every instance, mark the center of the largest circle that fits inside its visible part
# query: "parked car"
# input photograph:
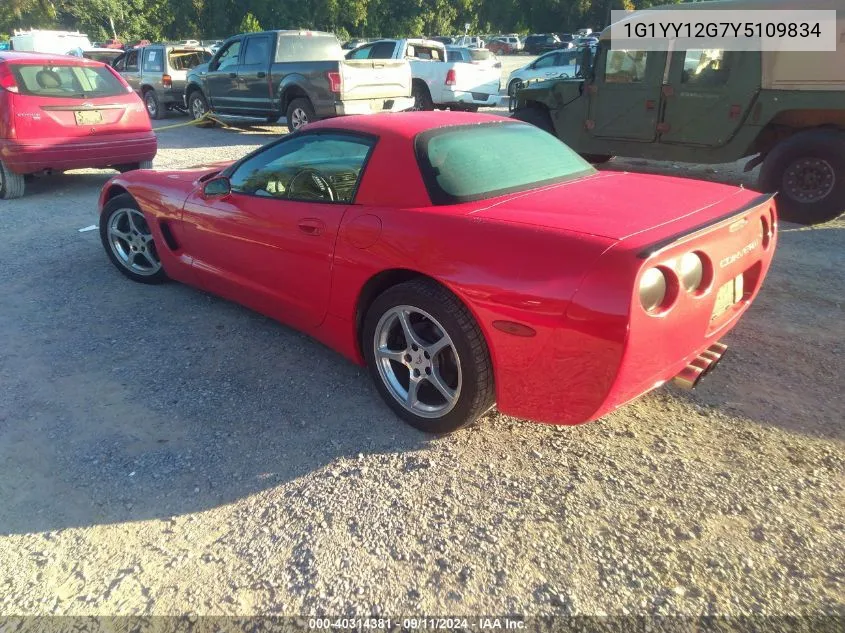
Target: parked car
(113, 43)
(554, 293)
(62, 112)
(469, 41)
(105, 55)
(554, 65)
(299, 74)
(444, 39)
(500, 47)
(784, 109)
(348, 46)
(536, 44)
(46, 41)
(436, 81)
(477, 56)
(159, 74)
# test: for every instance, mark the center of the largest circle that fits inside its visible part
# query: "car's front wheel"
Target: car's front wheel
(126, 236)
(198, 107)
(428, 357)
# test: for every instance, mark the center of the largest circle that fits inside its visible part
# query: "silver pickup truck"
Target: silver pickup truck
(159, 73)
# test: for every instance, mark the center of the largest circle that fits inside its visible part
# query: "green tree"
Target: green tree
(249, 24)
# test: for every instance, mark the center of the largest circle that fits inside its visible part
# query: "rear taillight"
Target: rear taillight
(334, 81)
(7, 79)
(450, 77)
(167, 81)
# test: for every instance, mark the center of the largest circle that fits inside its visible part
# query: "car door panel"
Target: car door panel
(222, 81)
(254, 91)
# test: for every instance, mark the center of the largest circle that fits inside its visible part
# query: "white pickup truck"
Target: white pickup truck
(438, 83)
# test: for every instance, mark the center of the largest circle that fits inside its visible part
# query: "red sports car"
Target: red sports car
(468, 260)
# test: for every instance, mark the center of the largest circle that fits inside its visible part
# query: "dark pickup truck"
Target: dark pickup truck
(300, 75)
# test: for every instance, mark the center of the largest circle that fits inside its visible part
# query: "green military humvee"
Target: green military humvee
(712, 107)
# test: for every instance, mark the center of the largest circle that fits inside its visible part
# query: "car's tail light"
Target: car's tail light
(167, 81)
(334, 81)
(658, 289)
(694, 272)
(7, 79)
(450, 77)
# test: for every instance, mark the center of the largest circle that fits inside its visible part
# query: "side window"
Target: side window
(132, 61)
(545, 62)
(119, 64)
(382, 50)
(229, 55)
(153, 60)
(705, 68)
(361, 53)
(257, 50)
(625, 66)
(314, 167)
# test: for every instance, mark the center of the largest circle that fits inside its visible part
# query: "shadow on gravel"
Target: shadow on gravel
(150, 401)
(65, 184)
(786, 358)
(194, 137)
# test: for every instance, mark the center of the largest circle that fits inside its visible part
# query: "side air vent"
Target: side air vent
(171, 242)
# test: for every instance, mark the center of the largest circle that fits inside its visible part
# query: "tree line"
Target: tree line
(158, 20)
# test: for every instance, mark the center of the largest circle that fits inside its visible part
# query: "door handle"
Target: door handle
(311, 226)
(232, 75)
(262, 74)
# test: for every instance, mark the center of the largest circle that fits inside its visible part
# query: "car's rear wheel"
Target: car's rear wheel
(535, 115)
(428, 357)
(12, 185)
(808, 171)
(422, 97)
(300, 113)
(144, 164)
(128, 241)
(152, 104)
(198, 107)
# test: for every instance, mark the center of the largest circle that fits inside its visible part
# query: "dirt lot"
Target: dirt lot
(163, 451)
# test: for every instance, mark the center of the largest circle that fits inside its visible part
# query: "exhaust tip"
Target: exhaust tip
(706, 362)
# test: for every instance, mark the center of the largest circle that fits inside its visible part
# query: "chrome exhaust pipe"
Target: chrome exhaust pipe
(706, 362)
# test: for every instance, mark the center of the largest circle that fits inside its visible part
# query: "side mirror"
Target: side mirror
(218, 186)
(586, 62)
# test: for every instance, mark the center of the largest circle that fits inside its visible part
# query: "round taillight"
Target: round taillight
(695, 272)
(654, 289)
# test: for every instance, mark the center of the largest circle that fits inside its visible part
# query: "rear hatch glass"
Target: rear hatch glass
(185, 59)
(66, 81)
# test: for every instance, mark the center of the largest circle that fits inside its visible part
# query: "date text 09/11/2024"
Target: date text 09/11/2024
(418, 623)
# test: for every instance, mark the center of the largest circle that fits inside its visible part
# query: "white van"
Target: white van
(57, 42)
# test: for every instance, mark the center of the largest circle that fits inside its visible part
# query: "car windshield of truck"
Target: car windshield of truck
(308, 48)
(463, 163)
(66, 80)
(185, 59)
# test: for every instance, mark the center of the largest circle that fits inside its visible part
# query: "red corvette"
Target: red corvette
(468, 260)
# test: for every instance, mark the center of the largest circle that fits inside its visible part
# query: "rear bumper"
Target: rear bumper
(368, 106)
(24, 157)
(478, 98)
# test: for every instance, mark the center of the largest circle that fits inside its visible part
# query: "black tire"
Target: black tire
(299, 113)
(115, 205)
(815, 158)
(273, 119)
(422, 97)
(476, 395)
(144, 164)
(12, 185)
(596, 159)
(198, 107)
(513, 86)
(152, 104)
(537, 116)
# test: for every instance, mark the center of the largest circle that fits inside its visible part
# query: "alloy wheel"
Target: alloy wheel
(150, 102)
(417, 361)
(298, 118)
(197, 108)
(132, 242)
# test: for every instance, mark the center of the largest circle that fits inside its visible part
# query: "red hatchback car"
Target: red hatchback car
(59, 112)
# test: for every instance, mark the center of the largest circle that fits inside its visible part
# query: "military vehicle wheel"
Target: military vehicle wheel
(513, 86)
(535, 115)
(808, 172)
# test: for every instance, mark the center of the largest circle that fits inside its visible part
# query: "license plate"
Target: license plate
(728, 295)
(88, 117)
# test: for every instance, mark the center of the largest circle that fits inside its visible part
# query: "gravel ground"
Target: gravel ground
(163, 452)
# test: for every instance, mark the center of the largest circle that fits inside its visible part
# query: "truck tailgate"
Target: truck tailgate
(375, 79)
(476, 77)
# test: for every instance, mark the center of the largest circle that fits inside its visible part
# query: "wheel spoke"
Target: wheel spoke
(389, 354)
(438, 346)
(115, 232)
(132, 226)
(410, 336)
(437, 381)
(413, 387)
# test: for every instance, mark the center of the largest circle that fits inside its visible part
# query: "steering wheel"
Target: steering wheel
(310, 184)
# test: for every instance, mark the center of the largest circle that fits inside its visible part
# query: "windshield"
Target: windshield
(463, 163)
(480, 54)
(66, 80)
